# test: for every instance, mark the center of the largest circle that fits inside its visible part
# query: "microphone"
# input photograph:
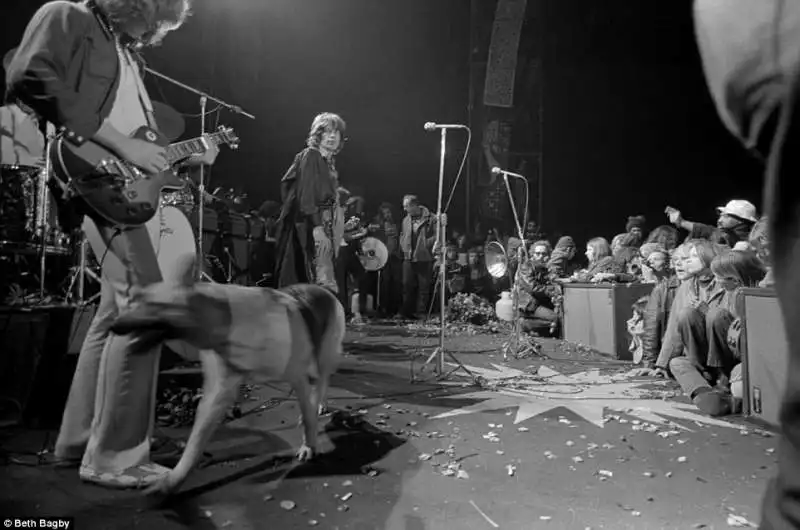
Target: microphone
(497, 171)
(430, 126)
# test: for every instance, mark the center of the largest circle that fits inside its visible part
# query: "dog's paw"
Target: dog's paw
(305, 453)
(164, 486)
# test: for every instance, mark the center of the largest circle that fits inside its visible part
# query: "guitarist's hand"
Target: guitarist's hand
(206, 158)
(148, 157)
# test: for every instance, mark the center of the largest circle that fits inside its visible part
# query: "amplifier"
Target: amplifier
(765, 355)
(596, 315)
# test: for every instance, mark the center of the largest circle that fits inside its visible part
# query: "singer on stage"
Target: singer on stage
(311, 219)
(73, 69)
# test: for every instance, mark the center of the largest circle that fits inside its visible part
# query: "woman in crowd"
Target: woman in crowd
(732, 270)
(665, 236)
(616, 242)
(759, 242)
(601, 262)
(628, 260)
(312, 221)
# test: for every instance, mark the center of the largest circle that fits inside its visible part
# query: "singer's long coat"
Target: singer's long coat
(307, 190)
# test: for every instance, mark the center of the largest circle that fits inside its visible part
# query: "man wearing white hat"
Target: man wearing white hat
(735, 221)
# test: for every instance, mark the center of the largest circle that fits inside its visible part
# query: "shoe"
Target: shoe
(137, 477)
(714, 403)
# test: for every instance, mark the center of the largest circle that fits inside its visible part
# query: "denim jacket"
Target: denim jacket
(671, 345)
(656, 316)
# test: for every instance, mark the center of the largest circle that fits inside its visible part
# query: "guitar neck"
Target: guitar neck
(187, 148)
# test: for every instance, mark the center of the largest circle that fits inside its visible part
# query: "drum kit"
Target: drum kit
(67, 270)
(28, 229)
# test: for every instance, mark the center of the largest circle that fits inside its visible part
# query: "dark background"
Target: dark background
(628, 125)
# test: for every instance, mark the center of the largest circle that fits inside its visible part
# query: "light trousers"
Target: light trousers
(109, 416)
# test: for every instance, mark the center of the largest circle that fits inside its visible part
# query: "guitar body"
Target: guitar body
(113, 189)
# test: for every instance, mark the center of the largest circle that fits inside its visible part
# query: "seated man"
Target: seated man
(735, 221)
(540, 251)
(657, 314)
(456, 272)
(478, 281)
(536, 298)
(562, 263)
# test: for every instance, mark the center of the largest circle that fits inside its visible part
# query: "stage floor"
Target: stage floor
(589, 449)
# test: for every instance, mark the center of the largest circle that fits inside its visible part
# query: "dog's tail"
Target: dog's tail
(324, 316)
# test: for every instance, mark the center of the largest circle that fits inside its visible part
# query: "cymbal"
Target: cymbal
(7, 58)
(170, 123)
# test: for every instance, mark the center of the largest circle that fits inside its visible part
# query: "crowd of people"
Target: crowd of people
(687, 327)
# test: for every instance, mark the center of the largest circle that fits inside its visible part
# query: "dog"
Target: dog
(294, 334)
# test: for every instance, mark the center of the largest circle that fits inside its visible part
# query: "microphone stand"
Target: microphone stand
(42, 224)
(517, 345)
(441, 237)
(204, 99)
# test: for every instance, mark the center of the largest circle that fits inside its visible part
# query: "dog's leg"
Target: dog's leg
(220, 388)
(308, 409)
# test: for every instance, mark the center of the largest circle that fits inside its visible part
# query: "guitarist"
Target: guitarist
(74, 67)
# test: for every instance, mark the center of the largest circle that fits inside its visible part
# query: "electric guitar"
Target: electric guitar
(116, 190)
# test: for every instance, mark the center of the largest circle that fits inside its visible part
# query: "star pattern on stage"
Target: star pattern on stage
(588, 394)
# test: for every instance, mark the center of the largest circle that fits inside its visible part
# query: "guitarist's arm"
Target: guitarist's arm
(38, 73)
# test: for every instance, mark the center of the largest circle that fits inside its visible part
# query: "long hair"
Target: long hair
(616, 241)
(600, 248)
(321, 123)
(759, 240)
(158, 17)
(665, 236)
(626, 255)
(742, 265)
(680, 252)
(706, 250)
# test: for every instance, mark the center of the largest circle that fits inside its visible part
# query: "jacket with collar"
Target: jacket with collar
(67, 68)
(418, 236)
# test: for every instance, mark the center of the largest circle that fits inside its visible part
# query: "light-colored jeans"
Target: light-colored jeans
(324, 256)
(108, 419)
(687, 375)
